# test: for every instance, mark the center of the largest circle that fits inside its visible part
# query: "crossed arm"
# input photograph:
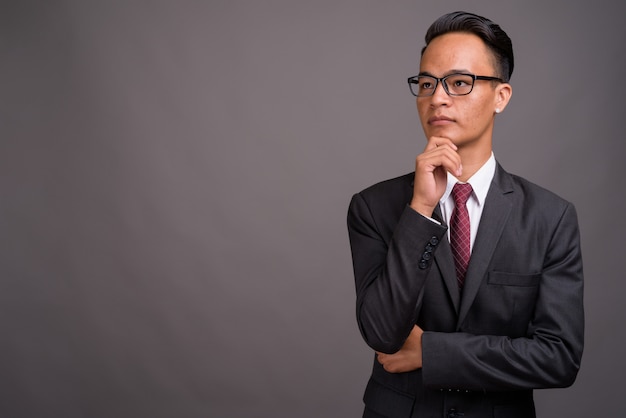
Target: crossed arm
(408, 358)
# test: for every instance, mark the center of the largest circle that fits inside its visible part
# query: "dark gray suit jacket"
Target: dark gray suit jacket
(516, 326)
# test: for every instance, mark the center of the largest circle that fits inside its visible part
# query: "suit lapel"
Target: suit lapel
(497, 208)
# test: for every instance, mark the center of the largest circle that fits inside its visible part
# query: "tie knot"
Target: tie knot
(460, 193)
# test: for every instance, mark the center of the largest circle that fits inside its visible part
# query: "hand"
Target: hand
(431, 167)
(409, 357)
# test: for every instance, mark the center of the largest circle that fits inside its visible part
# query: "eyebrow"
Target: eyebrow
(453, 71)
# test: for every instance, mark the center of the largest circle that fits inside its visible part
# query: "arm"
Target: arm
(388, 277)
(390, 271)
(408, 358)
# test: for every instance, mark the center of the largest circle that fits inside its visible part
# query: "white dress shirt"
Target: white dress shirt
(480, 181)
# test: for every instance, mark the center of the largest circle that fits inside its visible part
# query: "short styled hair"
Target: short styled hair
(497, 41)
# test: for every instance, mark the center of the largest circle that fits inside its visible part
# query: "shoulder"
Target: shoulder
(531, 197)
(533, 190)
(384, 201)
(397, 186)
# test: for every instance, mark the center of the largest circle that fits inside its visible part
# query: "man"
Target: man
(458, 335)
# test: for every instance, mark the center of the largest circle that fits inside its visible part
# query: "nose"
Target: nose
(440, 96)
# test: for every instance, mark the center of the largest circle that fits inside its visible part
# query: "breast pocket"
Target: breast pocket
(505, 304)
(500, 278)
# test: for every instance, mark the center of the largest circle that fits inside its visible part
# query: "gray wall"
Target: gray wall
(174, 180)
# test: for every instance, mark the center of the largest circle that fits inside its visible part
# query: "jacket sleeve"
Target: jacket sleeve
(548, 355)
(389, 272)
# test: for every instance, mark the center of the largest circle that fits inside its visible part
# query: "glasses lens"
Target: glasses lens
(423, 85)
(459, 84)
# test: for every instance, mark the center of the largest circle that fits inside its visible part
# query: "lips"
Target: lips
(440, 120)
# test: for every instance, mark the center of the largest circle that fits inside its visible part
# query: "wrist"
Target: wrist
(422, 209)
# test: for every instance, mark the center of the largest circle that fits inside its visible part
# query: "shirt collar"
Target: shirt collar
(480, 181)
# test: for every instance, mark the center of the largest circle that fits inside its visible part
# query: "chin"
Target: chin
(441, 131)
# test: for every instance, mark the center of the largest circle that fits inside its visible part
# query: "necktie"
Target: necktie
(460, 230)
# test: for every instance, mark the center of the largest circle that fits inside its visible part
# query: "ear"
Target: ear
(502, 97)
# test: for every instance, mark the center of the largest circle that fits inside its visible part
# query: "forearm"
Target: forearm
(390, 276)
(496, 363)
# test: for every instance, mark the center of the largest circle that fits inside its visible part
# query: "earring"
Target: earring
(497, 110)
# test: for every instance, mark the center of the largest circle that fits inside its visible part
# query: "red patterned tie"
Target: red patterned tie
(460, 230)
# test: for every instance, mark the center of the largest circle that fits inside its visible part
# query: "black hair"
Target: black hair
(497, 41)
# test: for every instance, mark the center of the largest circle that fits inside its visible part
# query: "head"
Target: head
(462, 42)
(495, 39)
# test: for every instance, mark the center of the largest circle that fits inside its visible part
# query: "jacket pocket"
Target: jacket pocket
(504, 305)
(513, 279)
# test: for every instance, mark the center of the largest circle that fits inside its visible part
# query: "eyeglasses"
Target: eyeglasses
(458, 84)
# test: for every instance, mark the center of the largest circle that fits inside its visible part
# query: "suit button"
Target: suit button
(434, 240)
(426, 255)
(422, 264)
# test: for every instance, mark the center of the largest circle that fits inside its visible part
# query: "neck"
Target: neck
(472, 161)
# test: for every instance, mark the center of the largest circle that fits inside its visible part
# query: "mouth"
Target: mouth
(440, 120)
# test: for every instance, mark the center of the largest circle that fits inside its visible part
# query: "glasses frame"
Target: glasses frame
(442, 80)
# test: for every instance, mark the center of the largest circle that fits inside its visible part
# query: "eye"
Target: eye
(459, 80)
(426, 85)
(459, 84)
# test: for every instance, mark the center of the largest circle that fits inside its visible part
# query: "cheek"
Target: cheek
(477, 115)
(422, 111)
(421, 107)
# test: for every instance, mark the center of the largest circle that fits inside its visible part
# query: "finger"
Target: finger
(443, 157)
(439, 141)
(442, 154)
(452, 164)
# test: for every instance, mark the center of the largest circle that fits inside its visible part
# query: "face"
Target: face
(466, 120)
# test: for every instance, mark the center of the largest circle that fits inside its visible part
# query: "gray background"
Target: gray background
(174, 180)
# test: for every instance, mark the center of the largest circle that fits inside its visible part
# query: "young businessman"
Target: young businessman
(469, 279)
